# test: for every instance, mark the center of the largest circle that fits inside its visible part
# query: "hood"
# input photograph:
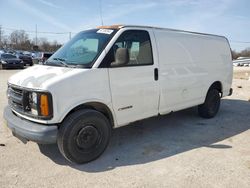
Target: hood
(41, 76)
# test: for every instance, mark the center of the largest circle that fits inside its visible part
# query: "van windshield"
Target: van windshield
(83, 49)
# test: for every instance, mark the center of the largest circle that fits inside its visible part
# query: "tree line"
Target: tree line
(20, 40)
(243, 53)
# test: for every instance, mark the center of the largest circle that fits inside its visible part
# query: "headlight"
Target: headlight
(3, 62)
(33, 103)
(40, 104)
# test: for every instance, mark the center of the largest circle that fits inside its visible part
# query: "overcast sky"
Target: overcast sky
(230, 18)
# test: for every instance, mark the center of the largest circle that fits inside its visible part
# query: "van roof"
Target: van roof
(119, 26)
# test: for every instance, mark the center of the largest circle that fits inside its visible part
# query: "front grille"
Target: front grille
(17, 98)
(20, 100)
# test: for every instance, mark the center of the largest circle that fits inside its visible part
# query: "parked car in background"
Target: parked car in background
(36, 57)
(236, 64)
(10, 61)
(41, 57)
(10, 51)
(241, 58)
(27, 60)
(25, 56)
(242, 61)
(45, 56)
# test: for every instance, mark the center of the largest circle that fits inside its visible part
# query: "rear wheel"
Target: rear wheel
(211, 105)
(84, 136)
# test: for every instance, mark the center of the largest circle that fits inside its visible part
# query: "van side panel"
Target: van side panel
(188, 65)
(81, 88)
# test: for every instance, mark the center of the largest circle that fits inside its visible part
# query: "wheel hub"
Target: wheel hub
(87, 137)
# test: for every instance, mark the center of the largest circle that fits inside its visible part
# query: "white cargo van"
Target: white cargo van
(111, 76)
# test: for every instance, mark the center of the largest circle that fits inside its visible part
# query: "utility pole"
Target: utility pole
(36, 34)
(100, 7)
(1, 35)
(69, 35)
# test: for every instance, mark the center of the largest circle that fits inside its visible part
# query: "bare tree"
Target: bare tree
(44, 44)
(235, 55)
(19, 40)
(1, 37)
(243, 53)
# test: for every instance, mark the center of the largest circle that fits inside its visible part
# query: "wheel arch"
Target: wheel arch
(98, 106)
(218, 86)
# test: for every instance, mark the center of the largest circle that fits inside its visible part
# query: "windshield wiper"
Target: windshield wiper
(61, 61)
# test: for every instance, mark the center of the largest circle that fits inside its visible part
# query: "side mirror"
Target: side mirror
(121, 57)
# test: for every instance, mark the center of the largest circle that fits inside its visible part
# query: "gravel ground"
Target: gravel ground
(176, 150)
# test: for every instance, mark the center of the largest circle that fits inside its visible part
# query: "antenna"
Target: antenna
(100, 7)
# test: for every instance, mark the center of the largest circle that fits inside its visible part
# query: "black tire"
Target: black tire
(83, 136)
(211, 105)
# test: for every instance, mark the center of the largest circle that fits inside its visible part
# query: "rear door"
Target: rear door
(134, 86)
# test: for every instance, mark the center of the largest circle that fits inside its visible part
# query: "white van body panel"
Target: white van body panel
(135, 93)
(40, 76)
(81, 88)
(70, 87)
(136, 99)
(188, 64)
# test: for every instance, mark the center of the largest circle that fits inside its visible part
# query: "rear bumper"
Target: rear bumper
(27, 61)
(30, 131)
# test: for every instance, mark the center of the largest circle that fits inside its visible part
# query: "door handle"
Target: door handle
(156, 74)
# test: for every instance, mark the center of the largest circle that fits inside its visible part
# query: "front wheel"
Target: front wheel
(211, 105)
(84, 136)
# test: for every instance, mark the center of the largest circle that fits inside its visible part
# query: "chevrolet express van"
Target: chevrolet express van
(108, 77)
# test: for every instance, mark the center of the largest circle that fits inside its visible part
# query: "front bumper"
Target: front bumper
(29, 131)
(19, 65)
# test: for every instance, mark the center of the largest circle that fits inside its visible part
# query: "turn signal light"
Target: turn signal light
(44, 105)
